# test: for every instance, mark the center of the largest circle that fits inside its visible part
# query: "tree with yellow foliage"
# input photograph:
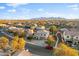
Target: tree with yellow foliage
(18, 43)
(22, 43)
(64, 50)
(14, 43)
(16, 38)
(4, 42)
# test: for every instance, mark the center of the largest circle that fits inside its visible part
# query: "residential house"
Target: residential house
(29, 32)
(3, 25)
(41, 34)
(40, 28)
(15, 29)
(71, 35)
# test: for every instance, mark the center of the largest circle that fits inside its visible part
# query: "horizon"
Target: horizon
(38, 10)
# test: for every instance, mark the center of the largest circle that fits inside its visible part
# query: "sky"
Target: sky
(37, 10)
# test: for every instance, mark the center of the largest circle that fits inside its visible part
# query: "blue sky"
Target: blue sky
(36, 10)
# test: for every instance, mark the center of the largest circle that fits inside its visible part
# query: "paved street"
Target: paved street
(38, 50)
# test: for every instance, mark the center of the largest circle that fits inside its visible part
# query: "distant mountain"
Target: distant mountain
(48, 18)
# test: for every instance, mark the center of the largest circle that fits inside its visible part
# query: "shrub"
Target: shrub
(64, 50)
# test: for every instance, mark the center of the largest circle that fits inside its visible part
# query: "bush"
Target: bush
(64, 50)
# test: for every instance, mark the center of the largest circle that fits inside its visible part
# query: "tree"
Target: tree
(21, 43)
(51, 38)
(14, 44)
(18, 43)
(50, 42)
(53, 29)
(16, 38)
(4, 42)
(64, 50)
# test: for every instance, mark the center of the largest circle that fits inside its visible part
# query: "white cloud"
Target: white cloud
(74, 7)
(40, 9)
(15, 4)
(2, 7)
(12, 11)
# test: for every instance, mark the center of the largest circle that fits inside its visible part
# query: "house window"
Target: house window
(44, 34)
(76, 37)
(67, 36)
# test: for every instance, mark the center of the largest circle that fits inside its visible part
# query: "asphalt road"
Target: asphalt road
(38, 50)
